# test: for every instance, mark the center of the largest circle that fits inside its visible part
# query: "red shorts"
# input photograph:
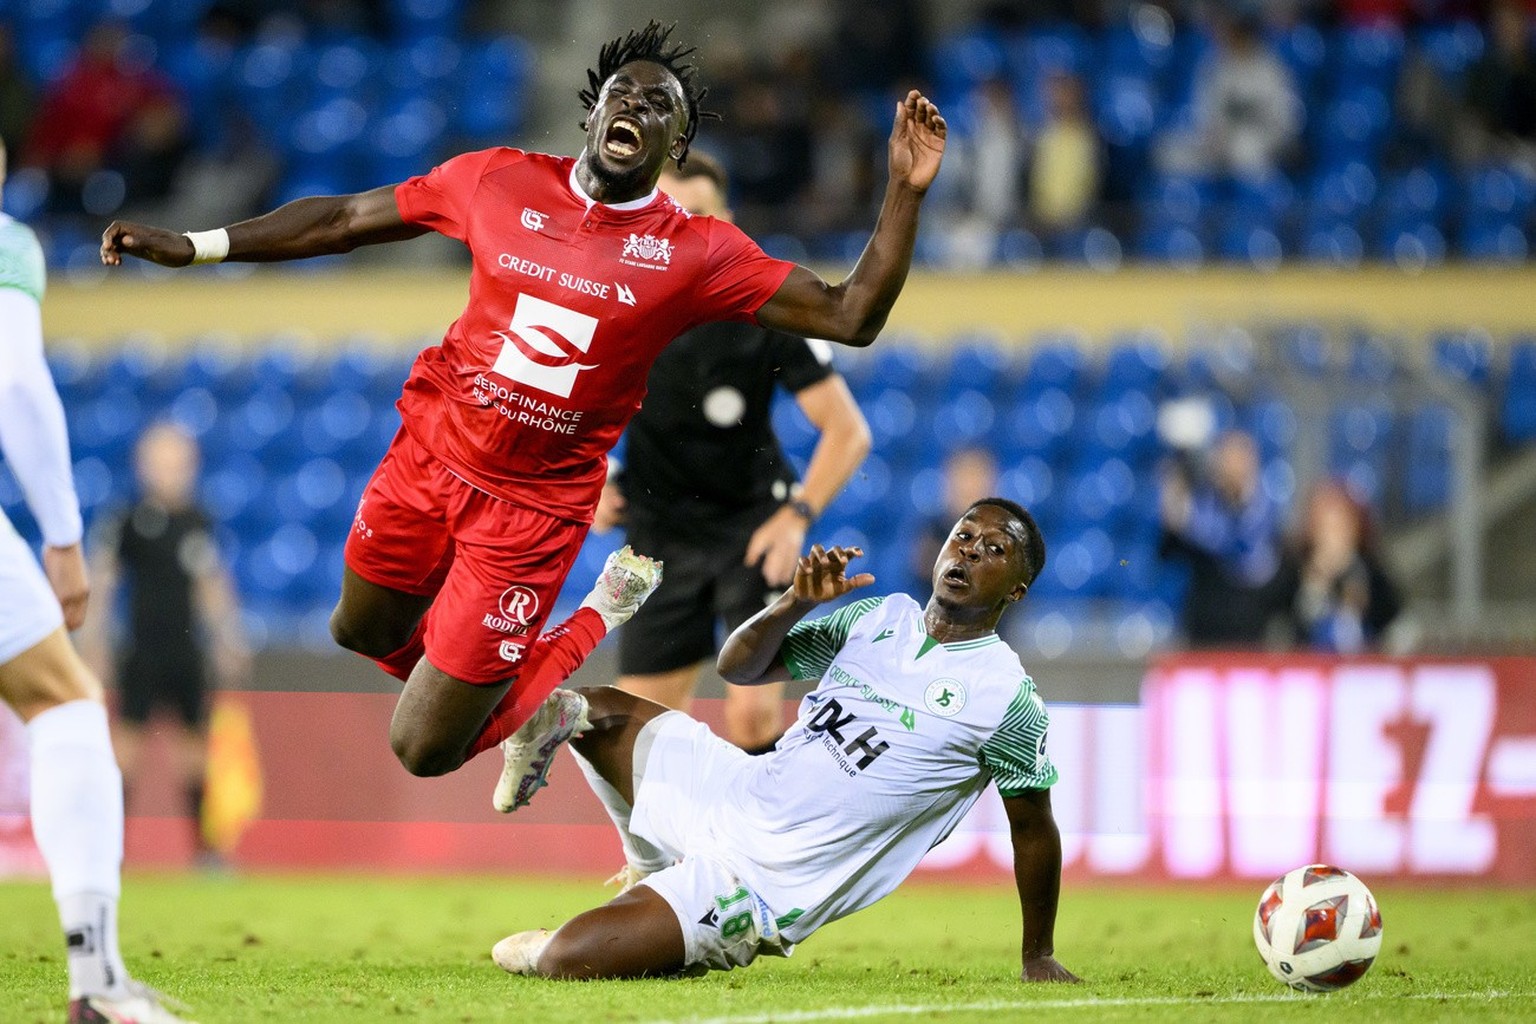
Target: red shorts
(494, 568)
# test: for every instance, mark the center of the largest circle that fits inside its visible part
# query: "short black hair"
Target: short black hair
(1034, 540)
(650, 44)
(701, 165)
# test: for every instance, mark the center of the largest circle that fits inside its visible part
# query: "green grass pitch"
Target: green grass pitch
(302, 949)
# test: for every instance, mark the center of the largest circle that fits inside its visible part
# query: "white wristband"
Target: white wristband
(208, 246)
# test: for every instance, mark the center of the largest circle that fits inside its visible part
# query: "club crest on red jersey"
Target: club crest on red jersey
(647, 251)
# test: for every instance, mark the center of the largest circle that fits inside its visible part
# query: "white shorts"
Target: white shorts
(682, 770)
(29, 611)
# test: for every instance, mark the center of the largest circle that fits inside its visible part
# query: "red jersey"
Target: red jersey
(569, 303)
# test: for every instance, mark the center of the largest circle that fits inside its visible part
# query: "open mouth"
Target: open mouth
(956, 575)
(622, 139)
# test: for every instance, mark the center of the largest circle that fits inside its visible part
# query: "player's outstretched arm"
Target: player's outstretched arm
(854, 311)
(751, 654)
(314, 226)
(1037, 873)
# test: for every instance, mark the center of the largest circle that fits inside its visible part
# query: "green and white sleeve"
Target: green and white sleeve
(1015, 753)
(810, 646)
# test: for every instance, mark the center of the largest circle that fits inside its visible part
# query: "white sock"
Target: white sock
(77, 820)
(638, 852)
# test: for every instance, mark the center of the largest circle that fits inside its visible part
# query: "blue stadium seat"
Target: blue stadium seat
(1451, 48)
(1428, 483)
(1369, 54)
(1372, 357)
(892, 417)
(491, 103)
(1274, 424)
(1304, 51)
(975, 363)
(415, 19)
(1143, 45)
(1333, 242)
(1040, 423)
(1465, 356)
(1127, 110)
(963, 421)
(964, 61)
(903, 366)
(1495, 243)
(1517, 413)
(1028, 480)
(1412, 244)
(1136, 361)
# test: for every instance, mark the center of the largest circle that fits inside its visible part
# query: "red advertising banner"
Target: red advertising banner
(1243, 766)
(1409, 768)
(1230, 767)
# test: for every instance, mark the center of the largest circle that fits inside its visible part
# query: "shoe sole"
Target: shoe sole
(510, 796)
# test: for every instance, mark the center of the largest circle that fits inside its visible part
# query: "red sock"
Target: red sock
(551, 660)
(401, 663)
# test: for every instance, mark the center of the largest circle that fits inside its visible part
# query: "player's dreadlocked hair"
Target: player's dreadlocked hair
(650, 43)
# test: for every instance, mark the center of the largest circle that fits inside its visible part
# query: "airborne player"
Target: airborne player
(483, 500)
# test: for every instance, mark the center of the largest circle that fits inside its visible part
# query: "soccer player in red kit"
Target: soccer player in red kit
(581, 272)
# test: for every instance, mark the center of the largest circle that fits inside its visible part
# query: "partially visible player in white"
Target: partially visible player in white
(77, 791)
(918, 708)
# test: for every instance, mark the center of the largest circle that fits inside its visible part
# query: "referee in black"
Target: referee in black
(182, 617)
(704, 487)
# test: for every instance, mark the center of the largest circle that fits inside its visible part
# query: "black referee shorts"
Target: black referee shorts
(173, 679)
(702, 582)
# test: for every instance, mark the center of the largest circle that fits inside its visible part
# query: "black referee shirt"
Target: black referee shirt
(701, 456)
(161, 554)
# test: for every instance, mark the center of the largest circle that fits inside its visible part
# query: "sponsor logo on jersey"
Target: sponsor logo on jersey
(544, 345)
(905, 715)
(853, 753)
(518, 607)
(646, 251)
(510, 651)
(623, 294)
(945, 697)
(885, 634)
(533, 220)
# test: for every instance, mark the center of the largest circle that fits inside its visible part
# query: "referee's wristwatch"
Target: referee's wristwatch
(802, 508)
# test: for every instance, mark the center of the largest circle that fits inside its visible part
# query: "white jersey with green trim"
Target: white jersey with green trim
(21, 258)
(888, 753)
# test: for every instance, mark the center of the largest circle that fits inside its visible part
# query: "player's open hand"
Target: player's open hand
(1045, 968)
(157, 245)
(917, 141)
(822, 575)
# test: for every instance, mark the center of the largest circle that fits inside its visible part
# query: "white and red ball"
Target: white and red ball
(1317, 928)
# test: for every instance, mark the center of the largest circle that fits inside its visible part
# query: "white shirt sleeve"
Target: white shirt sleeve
(32, 432)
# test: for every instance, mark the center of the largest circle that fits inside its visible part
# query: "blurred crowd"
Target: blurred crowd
(1073, 122)
(1254, 574)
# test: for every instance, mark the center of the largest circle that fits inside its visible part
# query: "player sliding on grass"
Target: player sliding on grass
(917, 709)
(582, 271)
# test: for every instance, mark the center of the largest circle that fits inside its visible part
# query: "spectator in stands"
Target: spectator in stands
(1338, 594)
(110, 112)
(970, 474)
(1218, 519)
(181, 609)
(1064, 171)
(1247, 114)
(1501, 87)
(16, 99)
(995, 151)
(769, 142)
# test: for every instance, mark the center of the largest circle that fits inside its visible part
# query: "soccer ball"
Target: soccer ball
(1317, 928)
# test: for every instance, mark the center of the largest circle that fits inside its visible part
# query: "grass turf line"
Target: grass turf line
(302, 949)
